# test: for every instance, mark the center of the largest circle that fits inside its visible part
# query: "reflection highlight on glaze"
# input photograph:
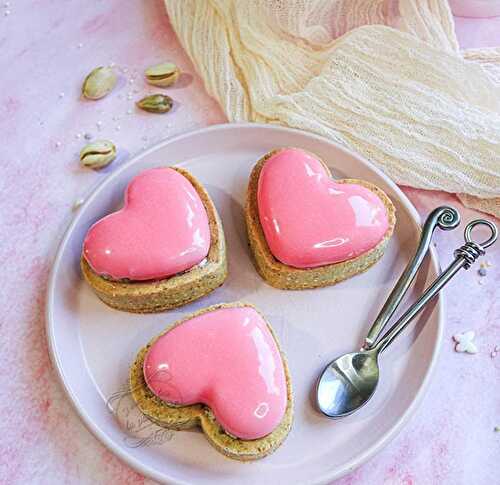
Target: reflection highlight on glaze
(262, 410)
(267, 366)
(365, 214)
(338, 241)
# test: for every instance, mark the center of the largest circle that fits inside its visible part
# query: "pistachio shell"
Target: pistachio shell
(156, 103)
(99, 82)
(164, 74)
(97, 154)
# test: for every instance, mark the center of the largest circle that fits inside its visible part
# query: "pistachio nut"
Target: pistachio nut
(164, 74)
(97, 154)
(99, 82)
(156, 103)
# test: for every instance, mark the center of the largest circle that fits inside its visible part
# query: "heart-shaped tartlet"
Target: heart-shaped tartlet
(307, 230)
(164, 248)
(221, 369)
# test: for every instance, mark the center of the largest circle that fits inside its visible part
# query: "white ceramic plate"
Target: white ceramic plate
(93, 345)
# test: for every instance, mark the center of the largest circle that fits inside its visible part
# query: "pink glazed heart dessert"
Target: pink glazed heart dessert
(163, 249)
(220, 368)
(161, 230)
(305, 220)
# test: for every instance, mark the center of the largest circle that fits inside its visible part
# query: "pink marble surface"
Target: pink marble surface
(46, 48)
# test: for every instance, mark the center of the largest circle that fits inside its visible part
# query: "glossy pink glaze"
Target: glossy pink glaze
(162, 230)
(308, 219)
(228, 360)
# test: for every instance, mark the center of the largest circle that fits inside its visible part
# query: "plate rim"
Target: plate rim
(128, 458)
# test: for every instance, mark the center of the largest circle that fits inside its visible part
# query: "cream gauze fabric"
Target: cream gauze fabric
(384, 78)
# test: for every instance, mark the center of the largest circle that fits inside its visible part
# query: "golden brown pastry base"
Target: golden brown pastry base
(287, 277)
(184, 417)
(177, 290)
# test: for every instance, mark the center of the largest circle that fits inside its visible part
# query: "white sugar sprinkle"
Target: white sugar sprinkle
(465, 342)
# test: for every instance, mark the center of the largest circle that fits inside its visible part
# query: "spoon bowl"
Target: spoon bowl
(348, 383)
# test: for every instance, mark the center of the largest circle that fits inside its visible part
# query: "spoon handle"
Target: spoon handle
(446, 218)
(465, 256)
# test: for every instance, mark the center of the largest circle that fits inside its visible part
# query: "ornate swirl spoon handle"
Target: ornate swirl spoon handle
(464, 258)
(446, 218)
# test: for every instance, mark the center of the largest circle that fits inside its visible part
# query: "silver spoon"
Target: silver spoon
(348, 382)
